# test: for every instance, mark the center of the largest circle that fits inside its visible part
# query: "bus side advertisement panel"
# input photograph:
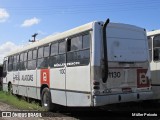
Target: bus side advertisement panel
(45, 77)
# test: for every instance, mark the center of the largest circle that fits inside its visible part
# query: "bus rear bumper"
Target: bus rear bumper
(100, 100)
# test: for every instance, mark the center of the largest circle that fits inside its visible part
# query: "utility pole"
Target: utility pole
(34, 37)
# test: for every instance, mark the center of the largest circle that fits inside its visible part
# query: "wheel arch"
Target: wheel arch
(9, 83)
(42, 87)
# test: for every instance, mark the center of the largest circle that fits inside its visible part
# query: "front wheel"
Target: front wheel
(46, 100)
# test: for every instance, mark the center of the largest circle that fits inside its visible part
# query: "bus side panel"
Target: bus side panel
(78, 99)
(153, 72)
(57, 86)
(156, 87)
(32, 89)
(22, 90)
(9, 78)
(15, 88)
(153, 42)
(5, 86)
(15, 82)
(156, 92)
(58, 97)
(4, 79)
(27, 84)
(96, 45)
(78, 86)
(157, 81)
(38, 84)
(38, 93)
(155, 77)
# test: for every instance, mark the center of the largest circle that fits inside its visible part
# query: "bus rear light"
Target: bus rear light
(96, 87)
(95, 83)
(96, 92)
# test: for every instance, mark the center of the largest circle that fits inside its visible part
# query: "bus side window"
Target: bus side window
(14, 62)
(43, 54)
(30, 55)
(53, 54)
(35, 54)
(46, 51)
(78, 50)
(86, 41)
(34, 61)
(1, 73)
(54, 49)
(30, 65)
(23, 62)
(68, 44)
(61, 57)
(76, 43)
(40, 55)
(5, 68)
(150, 47)
(62, 47)
(85, 54)
(156, 54)
(156, 47)
(20, 61)
(46, 56)
(10, 63)
(17, 65)
(58, 54)
(40, 52)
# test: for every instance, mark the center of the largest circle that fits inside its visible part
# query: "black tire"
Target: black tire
(10, 88)
(46, 100)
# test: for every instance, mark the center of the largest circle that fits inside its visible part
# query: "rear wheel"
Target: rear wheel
(46, 100)
(10, 89)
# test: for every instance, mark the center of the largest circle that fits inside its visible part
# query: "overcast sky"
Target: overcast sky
(19, 19)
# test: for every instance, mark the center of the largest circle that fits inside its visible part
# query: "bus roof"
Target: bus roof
(151, 33)
(52, 38)
(68, 33)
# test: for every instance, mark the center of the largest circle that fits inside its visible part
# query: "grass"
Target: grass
(19, 103)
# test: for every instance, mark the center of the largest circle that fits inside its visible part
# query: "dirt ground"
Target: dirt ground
(6, 107)
(121, 112)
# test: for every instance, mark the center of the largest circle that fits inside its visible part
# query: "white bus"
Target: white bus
(154, 50)
(91, 65)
